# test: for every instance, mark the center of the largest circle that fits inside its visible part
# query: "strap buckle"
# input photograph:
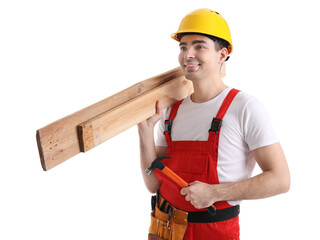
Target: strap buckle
(168, 125)
(215, 125)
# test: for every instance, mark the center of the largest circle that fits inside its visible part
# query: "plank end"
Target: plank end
(40, 149)
(85, 136)
(80, 138)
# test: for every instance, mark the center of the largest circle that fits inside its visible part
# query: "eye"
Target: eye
(200, 47)
(183, 48)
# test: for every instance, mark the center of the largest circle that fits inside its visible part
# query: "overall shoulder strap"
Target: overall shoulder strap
(168, 122)
(226, 103)
(217, 121)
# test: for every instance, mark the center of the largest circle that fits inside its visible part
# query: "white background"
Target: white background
(57, 57)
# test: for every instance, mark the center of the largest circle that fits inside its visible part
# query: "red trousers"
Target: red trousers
(225, 230)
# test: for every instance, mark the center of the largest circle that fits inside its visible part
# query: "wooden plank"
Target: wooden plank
(101, 128)
(58, 141)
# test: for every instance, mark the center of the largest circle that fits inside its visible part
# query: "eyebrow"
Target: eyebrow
(193, 42)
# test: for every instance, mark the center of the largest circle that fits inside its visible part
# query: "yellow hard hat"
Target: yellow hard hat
(205, 21)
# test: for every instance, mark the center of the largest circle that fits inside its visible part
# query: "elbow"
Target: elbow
(153, 187)
(284, 187)
(280, 182)
(287, 181)
(284, 184)
(152, 190)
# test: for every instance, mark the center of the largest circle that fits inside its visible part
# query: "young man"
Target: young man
(214, 138)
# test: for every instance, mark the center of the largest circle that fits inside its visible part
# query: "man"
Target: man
(214, 137)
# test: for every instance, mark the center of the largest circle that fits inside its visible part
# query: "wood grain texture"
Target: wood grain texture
(58, 141)
(104, 126)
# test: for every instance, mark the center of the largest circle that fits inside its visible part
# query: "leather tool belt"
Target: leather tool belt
(170, 223)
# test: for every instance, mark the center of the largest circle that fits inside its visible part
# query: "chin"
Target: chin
(191, 75)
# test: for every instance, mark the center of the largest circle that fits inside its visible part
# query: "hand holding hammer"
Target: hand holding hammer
(157, 164)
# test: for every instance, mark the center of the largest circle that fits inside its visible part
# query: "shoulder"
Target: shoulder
(248, 111)
(245, 102)
(243, 99)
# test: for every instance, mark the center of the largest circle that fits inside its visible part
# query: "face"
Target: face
(198, 57)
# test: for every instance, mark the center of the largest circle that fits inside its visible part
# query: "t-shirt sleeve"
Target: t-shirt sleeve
(160, 140)
(257, 127)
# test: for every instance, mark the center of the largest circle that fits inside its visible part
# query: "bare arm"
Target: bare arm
(274, 179)
(148, 150)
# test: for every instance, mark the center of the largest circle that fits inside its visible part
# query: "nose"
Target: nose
(189, 53)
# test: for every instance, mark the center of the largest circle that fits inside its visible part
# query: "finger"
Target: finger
(157, 116)
(158, 111)
(193, 183)
(184, 191)
(194, 203)
(159, 108)
(197, 206)
(142, 125)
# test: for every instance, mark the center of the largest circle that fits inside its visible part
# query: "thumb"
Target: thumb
(158, 115)
(158, 110)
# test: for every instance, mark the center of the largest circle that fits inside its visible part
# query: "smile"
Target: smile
(191, 67)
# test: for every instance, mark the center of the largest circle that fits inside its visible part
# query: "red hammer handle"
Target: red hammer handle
(182, 183)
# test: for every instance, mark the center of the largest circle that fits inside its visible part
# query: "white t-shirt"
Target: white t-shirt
(245, 127)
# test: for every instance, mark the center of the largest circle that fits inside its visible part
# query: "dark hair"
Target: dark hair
(219, 42)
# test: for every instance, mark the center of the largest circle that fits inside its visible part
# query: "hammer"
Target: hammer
(157, 164)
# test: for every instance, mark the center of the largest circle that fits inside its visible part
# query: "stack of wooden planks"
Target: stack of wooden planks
(91, 126)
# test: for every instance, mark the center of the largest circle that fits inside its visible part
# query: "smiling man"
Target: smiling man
(214, 138)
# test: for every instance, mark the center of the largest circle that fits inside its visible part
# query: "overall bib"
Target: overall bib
(197, 161)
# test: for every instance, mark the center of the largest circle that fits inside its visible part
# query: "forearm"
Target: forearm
(274, 179)
(148, 151)
(264, 185)
(147, 155)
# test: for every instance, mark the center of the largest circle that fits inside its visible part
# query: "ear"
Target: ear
(223, 55)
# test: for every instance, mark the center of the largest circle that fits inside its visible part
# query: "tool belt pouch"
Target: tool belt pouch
(162, 229)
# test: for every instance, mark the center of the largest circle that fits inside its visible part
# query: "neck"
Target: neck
(207, 89)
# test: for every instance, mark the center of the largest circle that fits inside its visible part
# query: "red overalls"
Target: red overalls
(197, 160)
